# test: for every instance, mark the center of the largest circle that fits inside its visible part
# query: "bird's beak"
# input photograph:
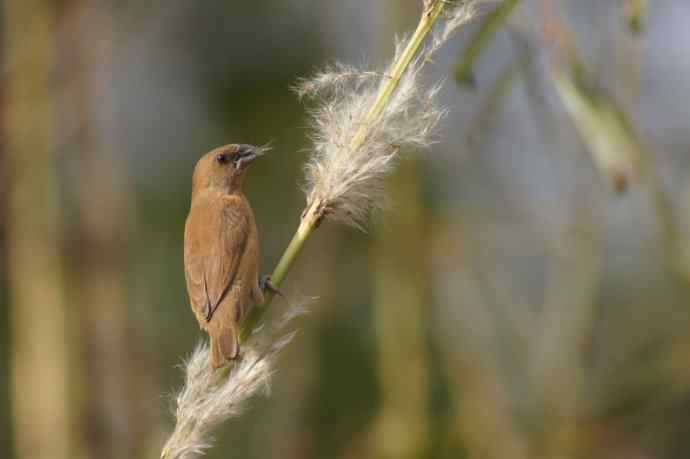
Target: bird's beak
(247, 154)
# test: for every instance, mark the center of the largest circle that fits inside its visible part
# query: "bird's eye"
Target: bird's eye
(222, 158)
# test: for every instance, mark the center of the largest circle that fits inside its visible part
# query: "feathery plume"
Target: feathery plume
(352, 150)
(210, 397)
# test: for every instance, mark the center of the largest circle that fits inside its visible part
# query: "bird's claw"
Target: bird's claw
(267, 285)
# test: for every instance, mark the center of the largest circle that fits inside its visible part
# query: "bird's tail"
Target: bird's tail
(224, 347)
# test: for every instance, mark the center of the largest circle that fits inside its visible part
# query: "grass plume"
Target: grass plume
(209, 398)
(356, 137)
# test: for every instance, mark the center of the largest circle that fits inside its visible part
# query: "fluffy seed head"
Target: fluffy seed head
(210, 397)
(348, 179)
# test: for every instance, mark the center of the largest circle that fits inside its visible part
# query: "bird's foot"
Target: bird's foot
(267, 285)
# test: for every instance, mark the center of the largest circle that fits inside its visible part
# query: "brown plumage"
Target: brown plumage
(221, 248)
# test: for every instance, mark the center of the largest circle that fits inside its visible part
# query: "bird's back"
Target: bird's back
(220, 276)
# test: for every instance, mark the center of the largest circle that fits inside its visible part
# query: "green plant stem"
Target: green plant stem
(308, 224)
(317, 209)
(427, 21)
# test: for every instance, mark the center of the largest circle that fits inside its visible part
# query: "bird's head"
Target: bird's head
(224, 168)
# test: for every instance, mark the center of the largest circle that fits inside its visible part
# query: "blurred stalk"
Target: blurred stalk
(628, 71)
(44, 422)
(491, 23)
(5, 421)
(468, 330)
(113, 426)
(683, 260)
(479, 333)
(482, 125)
(558, 355)
(559, 348)
(400, 301)
(615, 146)
(603, 128)
(635, 15)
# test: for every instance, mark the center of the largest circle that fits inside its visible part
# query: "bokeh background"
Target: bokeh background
(513, 302)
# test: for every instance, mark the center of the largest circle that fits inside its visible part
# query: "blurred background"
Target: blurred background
(526, 295)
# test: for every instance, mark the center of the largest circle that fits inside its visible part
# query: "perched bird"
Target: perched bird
(221, 248)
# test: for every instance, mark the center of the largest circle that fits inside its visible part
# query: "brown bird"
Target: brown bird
(221, 248)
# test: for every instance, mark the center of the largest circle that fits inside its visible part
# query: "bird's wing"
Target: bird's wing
(211, 272)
